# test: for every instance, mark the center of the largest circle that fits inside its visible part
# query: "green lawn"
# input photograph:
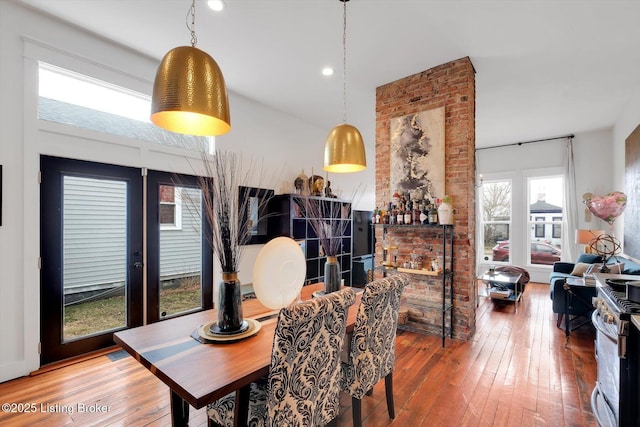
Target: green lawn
(101, 315)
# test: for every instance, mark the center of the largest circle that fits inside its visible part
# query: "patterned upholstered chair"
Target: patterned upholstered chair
(303, 385)
(371, 355)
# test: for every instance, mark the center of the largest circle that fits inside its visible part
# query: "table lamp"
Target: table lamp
(587, 237)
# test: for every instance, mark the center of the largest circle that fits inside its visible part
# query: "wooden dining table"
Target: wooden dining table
(198, 373)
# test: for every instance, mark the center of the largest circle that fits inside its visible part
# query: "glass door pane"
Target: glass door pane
(179, 256)
(94, 255)
(180, 249)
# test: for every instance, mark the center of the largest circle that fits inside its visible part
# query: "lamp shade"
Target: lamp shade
(585, 237)
(344, 150)
(189, 94)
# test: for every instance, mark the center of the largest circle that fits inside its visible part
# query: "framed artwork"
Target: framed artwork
(417, 154)
(256, 212)
(632, 190)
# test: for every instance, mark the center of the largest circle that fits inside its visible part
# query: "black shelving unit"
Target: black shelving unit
(446, 275)
(286, 218)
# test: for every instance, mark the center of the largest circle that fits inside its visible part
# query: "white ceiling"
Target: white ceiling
(543, 68)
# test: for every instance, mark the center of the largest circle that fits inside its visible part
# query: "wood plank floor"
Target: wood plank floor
(516, 371)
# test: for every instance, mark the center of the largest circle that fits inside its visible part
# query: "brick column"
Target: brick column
(451, 85)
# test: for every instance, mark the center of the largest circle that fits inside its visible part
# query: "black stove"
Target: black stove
(619, 300)
(615, 399)
(617, 297)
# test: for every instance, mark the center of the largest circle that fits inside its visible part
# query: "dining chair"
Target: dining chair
(371, 352)
(303, 384)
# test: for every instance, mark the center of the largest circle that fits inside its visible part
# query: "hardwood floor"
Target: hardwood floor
(515, 371)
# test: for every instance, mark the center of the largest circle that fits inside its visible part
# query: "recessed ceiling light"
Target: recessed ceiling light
(216, 5)
(327, 71)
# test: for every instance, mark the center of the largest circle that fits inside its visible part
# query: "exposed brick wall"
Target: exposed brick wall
(451, 85)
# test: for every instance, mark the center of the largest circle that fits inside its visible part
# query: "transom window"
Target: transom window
(74, 99)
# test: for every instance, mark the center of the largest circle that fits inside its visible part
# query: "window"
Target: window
(545, 208)
(170, 208)
(556, 232)
(539, 228)
(77, 100)
(496, 217)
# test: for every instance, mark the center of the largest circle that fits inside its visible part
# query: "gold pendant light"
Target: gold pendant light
(344, 148)
(189, 93)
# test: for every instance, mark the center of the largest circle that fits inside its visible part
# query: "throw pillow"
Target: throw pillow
(589, 258)
(580, 268)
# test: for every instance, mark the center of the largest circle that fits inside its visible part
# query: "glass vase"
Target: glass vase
(332, 277)
(229, 305)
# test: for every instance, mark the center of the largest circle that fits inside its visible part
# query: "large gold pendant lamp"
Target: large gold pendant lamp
(344, 148)
(189, 93)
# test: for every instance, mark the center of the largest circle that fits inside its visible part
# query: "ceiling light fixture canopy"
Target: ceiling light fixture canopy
(344, 149)
(189, 92)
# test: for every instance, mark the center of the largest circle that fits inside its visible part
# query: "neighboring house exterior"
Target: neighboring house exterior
(95, 234)
(549, 217)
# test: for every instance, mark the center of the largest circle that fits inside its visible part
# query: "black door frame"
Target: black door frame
(154, 180)
(53, 346)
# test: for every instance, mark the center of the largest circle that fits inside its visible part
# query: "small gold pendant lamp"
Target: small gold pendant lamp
(189, 92)
(344, 149)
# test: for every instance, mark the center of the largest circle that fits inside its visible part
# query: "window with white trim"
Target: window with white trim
(73, 99)
(545, 218)
(170, 208)
(495, 197)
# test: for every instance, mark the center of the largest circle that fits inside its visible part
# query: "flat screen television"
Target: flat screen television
(362, 233)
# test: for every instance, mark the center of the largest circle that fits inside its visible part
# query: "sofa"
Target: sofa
(581, 303)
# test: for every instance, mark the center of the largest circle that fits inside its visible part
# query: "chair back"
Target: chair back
(372, 352)
(304, 376)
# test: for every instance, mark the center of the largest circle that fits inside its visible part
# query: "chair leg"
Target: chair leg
(559, 322)
(370, 392)
(356, 410)
(388, 385)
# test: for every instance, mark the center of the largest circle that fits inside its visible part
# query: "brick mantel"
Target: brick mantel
(451, 85)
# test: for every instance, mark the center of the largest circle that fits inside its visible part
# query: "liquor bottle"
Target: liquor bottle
(415, 213)
(425, 212)
(408, 213)
(376, 218)
(400, 216)
(433, 213)
(385, 216)
(393, 214)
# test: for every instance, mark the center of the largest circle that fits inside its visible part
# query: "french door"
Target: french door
(179, 258)
(92, 280)
(91, 250)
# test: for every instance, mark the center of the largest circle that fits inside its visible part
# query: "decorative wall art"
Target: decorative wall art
(632, 189)
(256, 214)
(417, 153)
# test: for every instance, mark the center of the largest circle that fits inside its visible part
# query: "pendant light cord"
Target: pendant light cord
(192, 27)
(344, 59)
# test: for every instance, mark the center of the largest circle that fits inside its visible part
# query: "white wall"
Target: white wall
(282, 142)
(593, 160)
